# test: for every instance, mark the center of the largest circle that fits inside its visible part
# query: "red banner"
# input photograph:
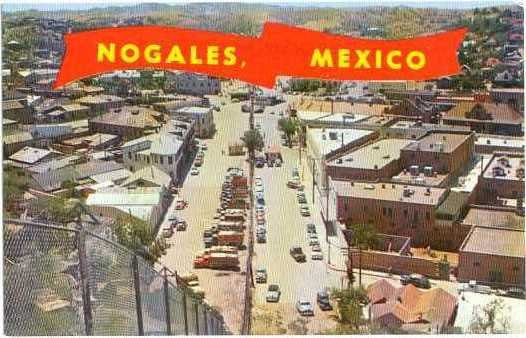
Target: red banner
(281, 50)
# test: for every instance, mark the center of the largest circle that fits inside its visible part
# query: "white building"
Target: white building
(193, 84)
(203, 117)
(163, 150)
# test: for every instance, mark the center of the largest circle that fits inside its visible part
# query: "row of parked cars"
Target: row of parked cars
(199, 159)
(261, 224)
(303, 306)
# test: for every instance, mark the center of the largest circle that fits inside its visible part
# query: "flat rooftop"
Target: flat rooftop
(438, 142)
(339, 107)
(405, 177)
(372, 156)
(494, 218)
(505, 167)
(328, 140)
(328, 118)
(495, 241)
(496, 141)
(391, 192)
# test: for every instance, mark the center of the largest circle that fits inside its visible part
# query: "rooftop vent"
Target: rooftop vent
(376, 147)
(369, 187)
(339, 161)
(333, 135)
(428, 192)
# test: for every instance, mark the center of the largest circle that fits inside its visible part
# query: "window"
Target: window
(148, 159)
(390, 212)
(130, 155)
(476, 264)
(384, 211)
(154, 158)
(161, 159)
(405, 213)
(428, 216)
(170, 160)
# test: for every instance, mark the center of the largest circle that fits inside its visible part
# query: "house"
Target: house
(408, 307)
(150, 176)
(101, 102)
(98, 141)
(203, 117)
(31, 156)
(128, 122)
(16, 141)
(146, 203)
(164, 150)
(192, 83)
(488, 118)
(16, 110)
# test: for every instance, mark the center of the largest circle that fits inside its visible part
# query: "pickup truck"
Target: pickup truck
(297, 253)
(230, 238)
(415, 279)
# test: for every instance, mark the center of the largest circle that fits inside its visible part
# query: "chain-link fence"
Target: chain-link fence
(60, 281)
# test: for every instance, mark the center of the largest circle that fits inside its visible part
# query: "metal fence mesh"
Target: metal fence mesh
(44, 292)
(112, 289)
(41, 293)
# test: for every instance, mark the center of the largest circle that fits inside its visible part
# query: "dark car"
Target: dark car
(515, 293)
(297, 253)
(323, 300)
(415, 279)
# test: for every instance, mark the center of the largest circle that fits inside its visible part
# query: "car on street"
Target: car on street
(323, 300)
(261, 276)
(259, 188)
(304, 210)
(305, 307)
(415, 279)
(515, 293)
(297, 253)
(278, 163)
(313, 242)
(273, 293)
(180, 204)
(311, 228)
(472, 286)
(168, 232)
(261, 238)
(280, 113)
(316, 256)
(293, 183)
(194, 172)
(316, 248)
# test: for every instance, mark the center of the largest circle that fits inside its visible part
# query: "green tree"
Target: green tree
(15, 184)
(492, 318)
(138, 236)
(253, 141)
(350, 303)
(363, 237)
(290, 127)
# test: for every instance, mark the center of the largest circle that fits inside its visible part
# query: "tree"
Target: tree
(350, 303)
(363, 237)
(299, 326)
(253, 140)
(138, 236)
(492, 319)
(15, 184)
(289, 126)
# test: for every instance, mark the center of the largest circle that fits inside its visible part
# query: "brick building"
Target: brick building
(378, 160)
(493, 255)
(395, 209)
(443, 152)
(502, 180)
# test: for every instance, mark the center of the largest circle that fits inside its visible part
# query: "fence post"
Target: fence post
(196, 309)
(84, 278)
(185, 311)
(136, 284)
(167, 304)
(205, 309)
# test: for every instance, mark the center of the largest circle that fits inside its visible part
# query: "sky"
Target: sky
(11, 6)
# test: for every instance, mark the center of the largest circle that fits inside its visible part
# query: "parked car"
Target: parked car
(305, 308)
(323, 300)
(181, 226)
(297, 253)
(273, 293)
(316, 256)
(168, 232)
(261, 276)
(194, 171)
(316, 248)
(304, 210)
(311, 228)
(278, 163)
(472, 286)
(261, 238)
(181, 204)
(515, 293)
(415, 279)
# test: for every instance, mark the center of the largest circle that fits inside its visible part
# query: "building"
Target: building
(443, 152)
(493, 255)
(395, 209)
(68, 112)
(9, 126)
(148, 204)
(16, 141)
(164, 150)
(203, 117)
(374, 161)
(150, 176)
(92, 142)
(128, 122)
(192, 83)
(502, 181)
(101, 103)
(31, 156)
(410, 308)
(17, 110)
(511, 96)
(417, 129)
(487, 118)
(323, 143)
(488, 144)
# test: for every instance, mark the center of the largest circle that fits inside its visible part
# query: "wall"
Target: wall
(476, 266)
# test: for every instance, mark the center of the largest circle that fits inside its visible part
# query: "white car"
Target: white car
(194, 172)
(259, 188)
(316, 256)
